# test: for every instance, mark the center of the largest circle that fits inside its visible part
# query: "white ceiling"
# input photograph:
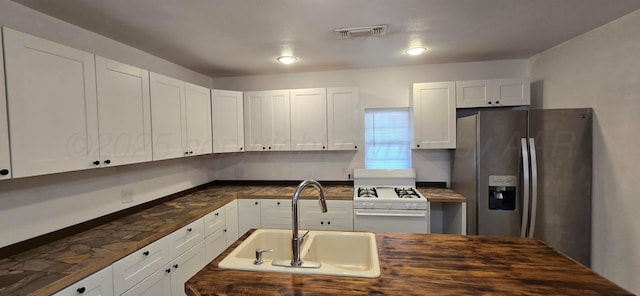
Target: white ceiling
(244, 37)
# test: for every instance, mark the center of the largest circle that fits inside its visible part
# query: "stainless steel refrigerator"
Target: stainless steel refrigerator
(528, 174)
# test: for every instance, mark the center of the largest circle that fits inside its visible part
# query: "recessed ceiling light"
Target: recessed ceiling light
(415, 51)
(287, 60)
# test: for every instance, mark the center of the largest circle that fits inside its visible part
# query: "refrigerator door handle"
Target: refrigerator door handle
(525, 190)
(534, 186)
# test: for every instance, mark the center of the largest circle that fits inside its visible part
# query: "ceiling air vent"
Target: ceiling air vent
(345, 33)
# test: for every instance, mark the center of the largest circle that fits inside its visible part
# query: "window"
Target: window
(387, 139)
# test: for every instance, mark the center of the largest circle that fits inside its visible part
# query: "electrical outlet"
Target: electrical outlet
(127, 195)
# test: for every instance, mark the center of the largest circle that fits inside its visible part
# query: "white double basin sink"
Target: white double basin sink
(339, 253)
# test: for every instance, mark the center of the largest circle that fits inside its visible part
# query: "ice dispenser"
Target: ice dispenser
(502, 192)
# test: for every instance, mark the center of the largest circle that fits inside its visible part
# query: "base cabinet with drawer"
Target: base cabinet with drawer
(97, 284)
(133, 269)
(221, 230)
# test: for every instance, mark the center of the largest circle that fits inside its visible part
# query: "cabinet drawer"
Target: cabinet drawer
(99, 284)
(132, 269)
(273, 208)
(185, 238)
(214, 221)
(337, 209)
(326, 224)
(158, 283)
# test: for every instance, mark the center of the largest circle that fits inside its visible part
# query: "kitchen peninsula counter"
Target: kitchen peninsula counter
(426, 264)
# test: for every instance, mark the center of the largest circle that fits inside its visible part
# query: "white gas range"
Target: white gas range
(386, 200)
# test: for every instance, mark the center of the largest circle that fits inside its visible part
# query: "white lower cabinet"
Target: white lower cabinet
(185, 266)
(275, 213)
(249, 213)
(133, 269)
(214, 245)
(97, 284)
(339, 215)
(157, 284)
(185, 238)
(231, 222)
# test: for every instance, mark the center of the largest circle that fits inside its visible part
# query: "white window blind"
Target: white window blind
(387, 139)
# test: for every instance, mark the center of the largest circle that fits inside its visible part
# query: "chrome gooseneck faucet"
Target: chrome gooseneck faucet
(295, 240)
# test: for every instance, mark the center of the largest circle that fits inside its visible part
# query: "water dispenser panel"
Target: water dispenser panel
(502, 192)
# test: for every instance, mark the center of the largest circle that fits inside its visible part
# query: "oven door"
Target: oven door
(408, 221)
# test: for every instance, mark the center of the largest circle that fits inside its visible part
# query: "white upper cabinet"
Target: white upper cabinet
(198, 109)
(167, 117)
(5, 156)
(51, 94)
(228, 125)
(492, 93)
(309, 119)
(124, 113)
(344, 127)
(434, 115)
(267, 120)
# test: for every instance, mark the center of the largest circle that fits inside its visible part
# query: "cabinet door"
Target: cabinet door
(434, 115)
(309, 119)
(474, 93)
(511, 92)
(198, 109)
(185, 238)
(51, 94)
(131, 270)
(167, 117)
(275, 213)
(157, 284)
(344, 127)
(214, 221)
(228, 125)
(5, 157)
(215, 244)
(186, 266)
(255, 103)
(124, 113)
(278, 120)
(97, 284)
(248, 215)
(231, 222)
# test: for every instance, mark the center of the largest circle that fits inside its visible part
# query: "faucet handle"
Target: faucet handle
(304, 235)
(259, 252)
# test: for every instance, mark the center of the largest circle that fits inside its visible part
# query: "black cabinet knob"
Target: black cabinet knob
(190, 152)
(255, 203)
(323, 147)
(146, 253)
(269, 147)
(328, 222)
(263, 148)
(175, 266)
(107, 161)
(356, 147)
(225, 230)
(96, 162)
(278, 203)
(321, 222)
(489, 103)
(217, 214)
(189, 229)
(240, 148)
(497, 102)
(81, 290)
(418, 145)
(186, 153)
(4, 172)
(168, 270)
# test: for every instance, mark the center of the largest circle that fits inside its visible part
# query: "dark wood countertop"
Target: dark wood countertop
(426, 264)
(48, 268)
(441, 194)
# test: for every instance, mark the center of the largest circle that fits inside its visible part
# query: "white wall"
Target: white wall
(601, 69)
(33, 206)
(379, 88)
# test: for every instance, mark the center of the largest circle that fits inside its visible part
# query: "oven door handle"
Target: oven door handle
(422, 214)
